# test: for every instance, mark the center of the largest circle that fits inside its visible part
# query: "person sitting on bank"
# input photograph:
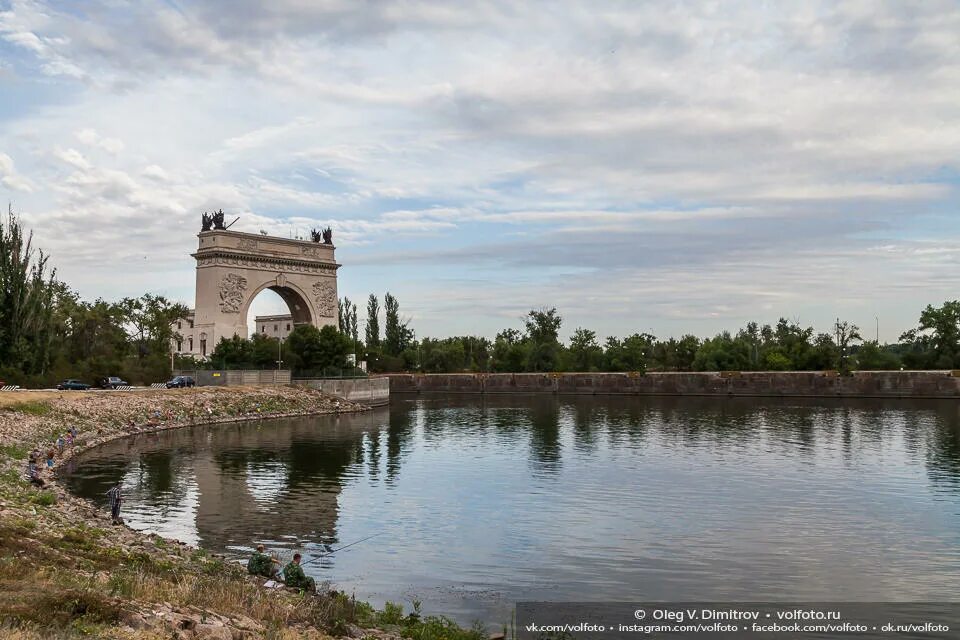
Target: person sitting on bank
(293, 576)
(261, 564)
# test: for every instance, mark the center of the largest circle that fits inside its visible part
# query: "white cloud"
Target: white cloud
(91, 138)
(10, 178)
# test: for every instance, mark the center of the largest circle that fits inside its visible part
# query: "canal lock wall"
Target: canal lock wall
(373, 392)
(861, 384)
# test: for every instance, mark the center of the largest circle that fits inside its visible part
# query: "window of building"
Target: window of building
(191, 323)
(263, 329)
(288, 326)
(179, 346)
(179, 325)
(276, 328)
(191, 344)
(203, 347)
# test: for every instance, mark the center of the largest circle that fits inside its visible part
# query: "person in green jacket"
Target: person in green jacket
(261, 564)
(293, 576)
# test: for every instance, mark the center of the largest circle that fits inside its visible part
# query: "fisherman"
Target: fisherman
(293, 576)
(116, 499)
(261, 564)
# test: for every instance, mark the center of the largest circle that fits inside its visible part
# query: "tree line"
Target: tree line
(48, 333)
(536, 347)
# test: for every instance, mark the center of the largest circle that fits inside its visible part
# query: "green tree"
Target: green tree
(317, 351)
(942, 324)
(824, 354)
(347, 313)
(397, 334)
(332, 349)
(301, 348)
(845, 333)
(687, 352)
(231, 353)
(870, 356)
(916, 350)
(585, 353)
(27, 301)
(543, 328)
(725, 353)
(510, 352)
(150, 321)
(372, 331)
(442, 356)
(629, 354)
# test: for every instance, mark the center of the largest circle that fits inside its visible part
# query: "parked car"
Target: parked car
(112, 382)
(179, 382)
(72, 385)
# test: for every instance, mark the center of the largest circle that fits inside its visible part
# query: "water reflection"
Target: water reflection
(484, 501)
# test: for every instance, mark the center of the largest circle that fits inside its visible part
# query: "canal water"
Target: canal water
(482, 502)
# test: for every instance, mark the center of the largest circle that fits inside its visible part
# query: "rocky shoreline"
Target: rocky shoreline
(67, 571)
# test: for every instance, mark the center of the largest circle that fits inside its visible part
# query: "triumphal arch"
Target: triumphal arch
(233, 267)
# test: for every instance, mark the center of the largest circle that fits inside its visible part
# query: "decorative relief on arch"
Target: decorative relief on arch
(325, 294)
(231, 292)
(266, 264)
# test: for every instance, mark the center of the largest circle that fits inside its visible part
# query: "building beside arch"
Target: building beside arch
(233, 267)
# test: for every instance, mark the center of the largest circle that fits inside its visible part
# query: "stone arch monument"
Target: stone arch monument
(233, 267)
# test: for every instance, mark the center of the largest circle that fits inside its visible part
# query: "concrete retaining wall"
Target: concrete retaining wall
(369, 391)
(253, 378)
(865, 384)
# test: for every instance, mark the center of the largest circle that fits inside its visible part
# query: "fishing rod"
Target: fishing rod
(346, 546)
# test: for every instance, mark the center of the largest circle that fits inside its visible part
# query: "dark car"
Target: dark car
(72, 385)
(179, 382)
(112, 382)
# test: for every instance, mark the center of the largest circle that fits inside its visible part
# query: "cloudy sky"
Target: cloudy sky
(667, 166)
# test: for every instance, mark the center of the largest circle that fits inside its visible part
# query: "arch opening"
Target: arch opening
(274, 311)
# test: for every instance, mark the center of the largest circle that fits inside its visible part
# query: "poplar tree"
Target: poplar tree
(372, 333)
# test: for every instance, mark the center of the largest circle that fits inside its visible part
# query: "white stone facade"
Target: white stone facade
(233, 267)
(274, 326)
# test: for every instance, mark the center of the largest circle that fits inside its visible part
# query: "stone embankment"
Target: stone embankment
(800, 384)
(67, 571)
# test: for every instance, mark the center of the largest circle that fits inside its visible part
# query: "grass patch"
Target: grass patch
(31, 407)
(58, 606)
(82, 537)
(43, 498)
(12, 477)
(13, 451)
